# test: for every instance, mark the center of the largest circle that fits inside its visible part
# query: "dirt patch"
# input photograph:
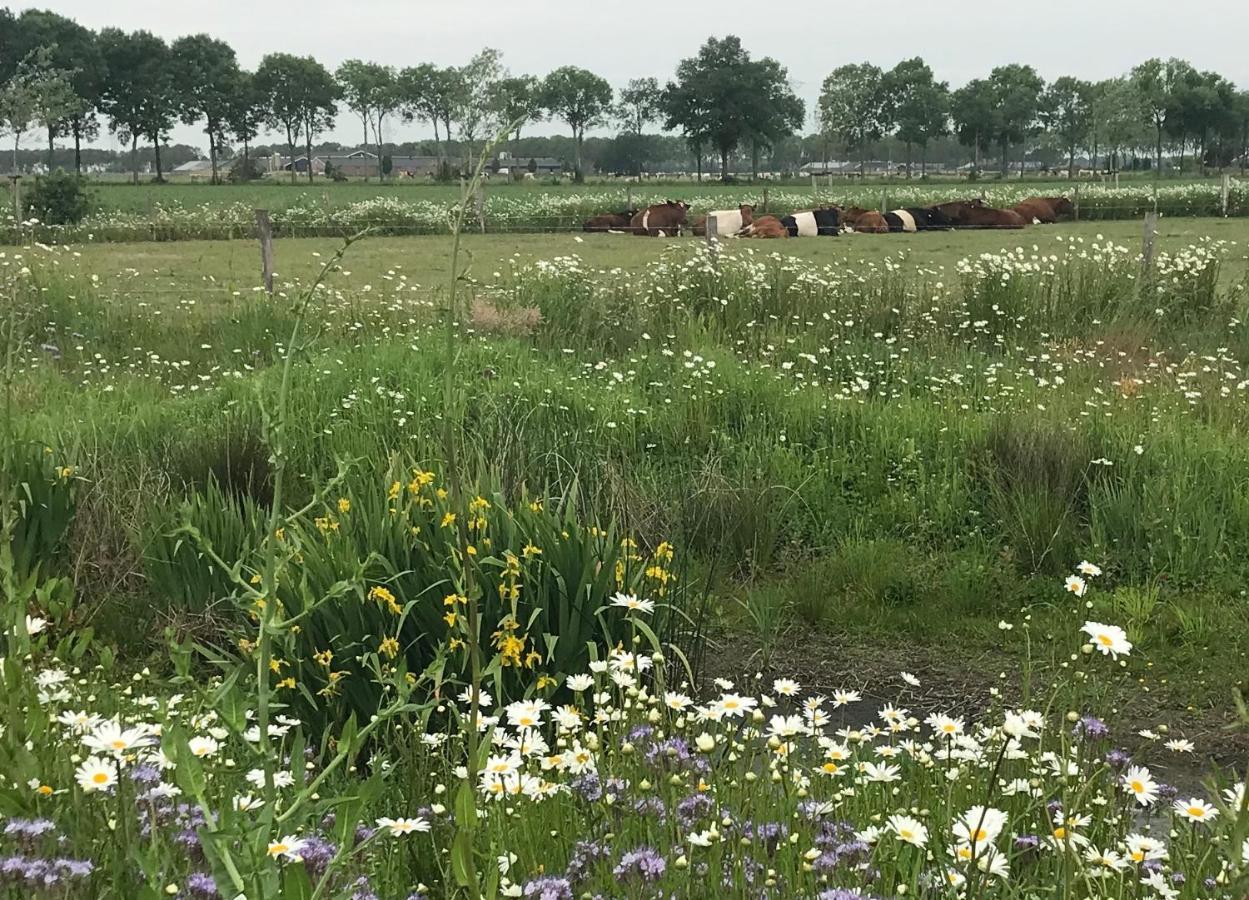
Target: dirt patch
(958, 683)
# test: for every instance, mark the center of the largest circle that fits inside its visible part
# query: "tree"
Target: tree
(73, 50)
(299, 99)
(371, 91)
(975, 115)
(855, 106)
(1016, 91)
(475, 93)
(774, 111)
(432, 94)
(641, 102)
(1242, 127)
(580, 98)
(1067, 108)
(25, 94)
(921, 106)
(139, 96)
(206, 75)
(1118, 117)
(1157, 82)
(719, 99)
(1201, 104)
(247, 112)
(517, 100)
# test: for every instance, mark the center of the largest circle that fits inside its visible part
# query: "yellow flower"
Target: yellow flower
(44, 790)
(471, 550)
(65, 473)
(395, 489)
(535, 506)
(286, 683)
(280, 534)
(389, 648)
(532, 658)
(324, 658)
(384, 597)
(247, 646)
(531, 551)
(455, 644)
(255, 579)
(450, 619)
(545, 681)
(344, 505)
(275, 664)
(448, 520)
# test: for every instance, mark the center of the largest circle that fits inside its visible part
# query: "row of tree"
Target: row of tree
(1158, 103)
(64, 78)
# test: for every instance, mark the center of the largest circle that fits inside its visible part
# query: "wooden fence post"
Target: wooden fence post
(1225, 193)
(765, 201)
(628, 197)
(1155, 195)
(481, 206)
(815, 191)
(884, 201)
(1075, 205)
(1147, 244)
(264, 233)
(17, 196)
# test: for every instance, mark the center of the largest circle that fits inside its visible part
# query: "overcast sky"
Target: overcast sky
(961, 40)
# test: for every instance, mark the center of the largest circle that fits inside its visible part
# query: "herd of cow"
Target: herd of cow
(670, 218)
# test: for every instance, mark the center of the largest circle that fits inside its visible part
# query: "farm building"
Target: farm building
(198, 169)
(506, 164)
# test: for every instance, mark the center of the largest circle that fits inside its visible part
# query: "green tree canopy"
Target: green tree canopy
(206, 75)
(581, 99)
(920, 104)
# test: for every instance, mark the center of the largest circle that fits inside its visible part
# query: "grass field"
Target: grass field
(617, 468)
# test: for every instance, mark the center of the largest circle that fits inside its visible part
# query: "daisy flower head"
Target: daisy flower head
(979, 825)
(402, 827)
(908, 830)
(1180, 745)
(202, 746)
(1076, 585)
(96, 774)
(288, 848)
(1195, 810)
(34, 625)
(1138, 782)
(632, 603)
(785, 687)
(1111, 640)
(1089, 569)
(580, 682)
(910, 679)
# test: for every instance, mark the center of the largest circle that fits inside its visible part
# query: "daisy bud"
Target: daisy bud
(1086, 649)
(705, 742)
(811, 855)
(1073, 716)
(657, 658)
(681, 862)
(675, 780)
(626, 748)
(750, 777)
(645, 785)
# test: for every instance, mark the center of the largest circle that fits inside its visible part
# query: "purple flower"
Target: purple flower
(1091, 728)
(693, 808)
(1118, 759)
(201, 885)
(549, 887)
(29, 829)
(1027, 842)
(842, 894)
(1168, 791)
(317, 853)
(643, 862)
(585, 854)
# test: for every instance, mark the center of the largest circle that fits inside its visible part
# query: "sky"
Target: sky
(961, 40)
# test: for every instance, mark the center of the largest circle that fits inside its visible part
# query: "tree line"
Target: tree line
(68, 81)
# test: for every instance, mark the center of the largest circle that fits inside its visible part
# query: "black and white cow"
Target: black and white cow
(916, 219)
(813, 222)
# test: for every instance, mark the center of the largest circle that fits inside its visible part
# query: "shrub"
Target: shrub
(60, 198)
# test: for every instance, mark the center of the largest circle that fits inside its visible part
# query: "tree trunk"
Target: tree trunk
(908, 160)
(160, 176)
(976, 154)
(577, 176)
(51, 145)
(212, 154)
(754, 161)
(923, 161)
(17, 140)
(381, 172)
(77, 147)
(134, 156)
(290, 143)
(1158, 150)
(724, 165)
(698, 162)
(308, 145)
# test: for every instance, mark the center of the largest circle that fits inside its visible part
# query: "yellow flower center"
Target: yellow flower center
(1137, 787)
(279, 848)
(100, 778)
(1060, 833)
(1104, 640)
(1196, 812)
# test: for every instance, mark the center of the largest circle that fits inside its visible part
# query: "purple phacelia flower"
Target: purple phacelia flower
(643, 863)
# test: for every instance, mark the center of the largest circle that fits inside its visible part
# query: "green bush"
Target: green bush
(58, 199)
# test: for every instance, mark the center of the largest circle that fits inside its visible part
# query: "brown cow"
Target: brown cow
(974, 214)
(660, 219)
(610, 221)
(766, 227)
(727, 225)
(867, 221)
(1046, 210)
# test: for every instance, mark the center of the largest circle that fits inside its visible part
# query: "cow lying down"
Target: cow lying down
(808, 223)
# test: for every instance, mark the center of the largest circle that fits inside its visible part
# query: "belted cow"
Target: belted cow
(728, 221)
(914, 219)
(660, 219)
(618, 221)
(813, 222)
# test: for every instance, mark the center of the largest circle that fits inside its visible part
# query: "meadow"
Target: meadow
(842, 568)
(170, 212)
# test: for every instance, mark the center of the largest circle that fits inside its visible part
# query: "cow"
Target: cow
(618, 221)
(813, 222)
(867, 221)
(974, 214)
(766, 227)
(1045, 210)
(915, 219)
(660, 219)
(728, 221)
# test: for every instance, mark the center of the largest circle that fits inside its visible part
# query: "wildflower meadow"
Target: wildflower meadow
(368, 589)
